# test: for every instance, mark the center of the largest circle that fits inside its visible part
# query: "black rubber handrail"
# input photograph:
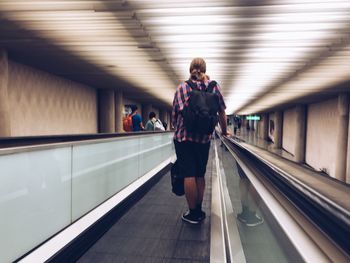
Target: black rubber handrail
(324, 214)
(8, 142)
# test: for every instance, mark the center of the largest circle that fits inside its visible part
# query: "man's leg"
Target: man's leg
(200, 191)
(185, 159)
(202, 151)
(194, 191)
(187, 163)
(191, 192)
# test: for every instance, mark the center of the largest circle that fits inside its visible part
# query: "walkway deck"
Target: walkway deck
(152, 231)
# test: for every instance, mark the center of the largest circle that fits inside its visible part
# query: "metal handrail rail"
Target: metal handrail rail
(17, 141)
(27, 144)
(318, 197)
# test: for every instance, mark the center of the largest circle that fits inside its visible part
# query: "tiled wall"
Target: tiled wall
(44, 104)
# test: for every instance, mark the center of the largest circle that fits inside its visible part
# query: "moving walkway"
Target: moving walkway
(62, 199)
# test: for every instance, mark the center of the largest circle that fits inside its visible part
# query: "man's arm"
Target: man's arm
(223, 122)
(222, 114)
(174, 112)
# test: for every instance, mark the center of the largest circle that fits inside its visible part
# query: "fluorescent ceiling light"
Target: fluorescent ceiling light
(193, 20)
(132, 64)
(330, 73)
(248, 48)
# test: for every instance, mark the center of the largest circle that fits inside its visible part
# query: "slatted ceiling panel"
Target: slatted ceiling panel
(102, 33)
(251, 47)
(282, 95)
(331, 71)
(39, 5)
(256, 42)
(169, 26)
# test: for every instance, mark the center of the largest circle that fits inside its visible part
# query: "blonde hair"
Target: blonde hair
(200, 66)
(198, 63)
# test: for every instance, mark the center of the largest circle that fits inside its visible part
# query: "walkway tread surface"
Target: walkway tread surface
(152, 231)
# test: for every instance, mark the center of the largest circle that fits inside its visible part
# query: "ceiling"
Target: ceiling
(263, 53)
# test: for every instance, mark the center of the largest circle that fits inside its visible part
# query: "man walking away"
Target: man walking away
(191, 144)
(136, 119)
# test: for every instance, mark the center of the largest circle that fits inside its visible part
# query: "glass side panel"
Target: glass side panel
(101, 170)
(262, 238)
(35, 199)
(43, 191)
(168, 148)
(150, 152)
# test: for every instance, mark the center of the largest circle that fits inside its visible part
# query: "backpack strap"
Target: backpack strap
(211, 86)
(191, 84)
(209, 89)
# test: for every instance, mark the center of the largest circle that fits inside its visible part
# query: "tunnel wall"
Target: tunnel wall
(44, 104)
(321, 135)
(289, 130)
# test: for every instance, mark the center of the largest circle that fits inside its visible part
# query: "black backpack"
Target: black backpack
(201, 113)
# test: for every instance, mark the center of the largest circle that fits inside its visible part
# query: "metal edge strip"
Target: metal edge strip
(21, 149)
(234, 243)
(217, 238)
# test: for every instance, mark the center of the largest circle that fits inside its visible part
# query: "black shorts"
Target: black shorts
(192, 158)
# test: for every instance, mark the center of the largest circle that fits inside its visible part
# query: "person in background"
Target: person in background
(150, 123)
(235, 125)
(165, 125)
(158, 125)
(136, 119)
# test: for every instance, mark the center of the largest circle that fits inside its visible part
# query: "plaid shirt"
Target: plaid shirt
(180, 100)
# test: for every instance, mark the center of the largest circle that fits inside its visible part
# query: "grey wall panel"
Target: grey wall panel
(289, 130)
(321, 135)
(44, 104)
(271, 125)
